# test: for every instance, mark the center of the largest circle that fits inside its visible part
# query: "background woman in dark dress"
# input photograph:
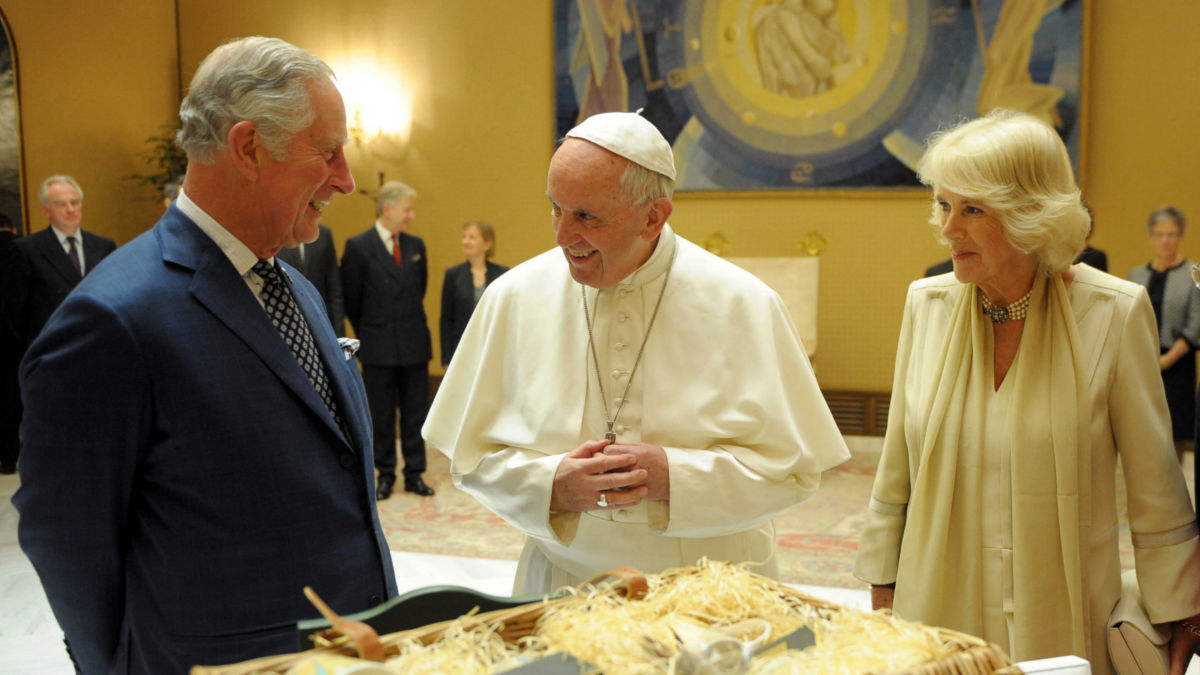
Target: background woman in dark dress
(1176, 301)
(464, 283)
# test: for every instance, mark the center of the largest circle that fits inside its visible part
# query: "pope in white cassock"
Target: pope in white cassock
(629, 399)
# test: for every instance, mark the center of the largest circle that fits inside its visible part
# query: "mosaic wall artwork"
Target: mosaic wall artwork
(788, 94)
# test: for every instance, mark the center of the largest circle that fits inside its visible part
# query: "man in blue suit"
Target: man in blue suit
(187, 467)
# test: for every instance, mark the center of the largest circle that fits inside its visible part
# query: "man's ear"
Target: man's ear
(246, 148)
(656, 216)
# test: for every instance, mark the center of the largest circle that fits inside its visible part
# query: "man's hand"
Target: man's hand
(653, 460)
(587, 471)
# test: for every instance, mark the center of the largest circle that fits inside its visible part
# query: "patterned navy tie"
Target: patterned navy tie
(285, 314)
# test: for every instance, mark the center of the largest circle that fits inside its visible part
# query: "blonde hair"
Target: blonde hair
(1018, 166)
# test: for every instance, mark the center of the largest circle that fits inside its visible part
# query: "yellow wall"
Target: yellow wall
(95, 79)
(95, 82)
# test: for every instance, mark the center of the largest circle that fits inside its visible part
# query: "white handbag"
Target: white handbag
(1136, 646)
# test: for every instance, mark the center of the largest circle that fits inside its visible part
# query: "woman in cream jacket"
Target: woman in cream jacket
(1019, 381)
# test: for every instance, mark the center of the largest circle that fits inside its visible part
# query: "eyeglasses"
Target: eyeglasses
(62, 204)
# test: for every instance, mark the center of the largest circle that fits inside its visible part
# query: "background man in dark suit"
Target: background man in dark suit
(384, 275)
(319, 264)
(47, 264)
(187, 469)
(36, 274)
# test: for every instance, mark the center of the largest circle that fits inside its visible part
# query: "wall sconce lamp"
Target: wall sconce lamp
(378, 112)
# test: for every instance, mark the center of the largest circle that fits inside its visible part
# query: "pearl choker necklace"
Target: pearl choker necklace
(1016, 311)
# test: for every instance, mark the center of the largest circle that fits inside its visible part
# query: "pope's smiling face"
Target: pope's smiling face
(603, 238)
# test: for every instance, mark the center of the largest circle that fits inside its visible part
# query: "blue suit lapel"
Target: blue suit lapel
(217, 286)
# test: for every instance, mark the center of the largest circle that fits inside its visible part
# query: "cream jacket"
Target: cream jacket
(1128, 420)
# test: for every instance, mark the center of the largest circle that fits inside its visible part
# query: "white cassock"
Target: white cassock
(724, 386)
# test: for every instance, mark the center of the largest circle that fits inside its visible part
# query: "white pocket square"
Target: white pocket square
(349, 347)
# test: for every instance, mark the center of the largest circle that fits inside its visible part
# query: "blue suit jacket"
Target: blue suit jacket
(181, 480)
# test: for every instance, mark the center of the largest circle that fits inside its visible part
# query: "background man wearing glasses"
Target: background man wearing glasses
(46, 265)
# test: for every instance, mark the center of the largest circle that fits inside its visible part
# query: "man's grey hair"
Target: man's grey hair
(43, 191)
(392, 192)
(640, 185)
(259, 79)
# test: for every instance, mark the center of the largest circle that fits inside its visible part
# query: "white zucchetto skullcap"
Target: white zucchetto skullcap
(631, 136)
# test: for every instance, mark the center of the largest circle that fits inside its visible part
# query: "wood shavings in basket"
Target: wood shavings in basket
(460, 651)
(596, 628)
(635, 637)
(851, 642)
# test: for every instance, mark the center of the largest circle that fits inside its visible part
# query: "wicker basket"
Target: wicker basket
(965, 654)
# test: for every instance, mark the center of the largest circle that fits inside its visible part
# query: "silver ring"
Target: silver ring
(602, 502)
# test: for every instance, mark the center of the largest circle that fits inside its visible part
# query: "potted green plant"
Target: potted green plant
(168, 160)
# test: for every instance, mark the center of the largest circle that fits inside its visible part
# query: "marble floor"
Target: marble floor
(31, 641)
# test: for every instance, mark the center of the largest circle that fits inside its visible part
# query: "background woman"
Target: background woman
(1176, 302)
(1019, 380)
(464, 284)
